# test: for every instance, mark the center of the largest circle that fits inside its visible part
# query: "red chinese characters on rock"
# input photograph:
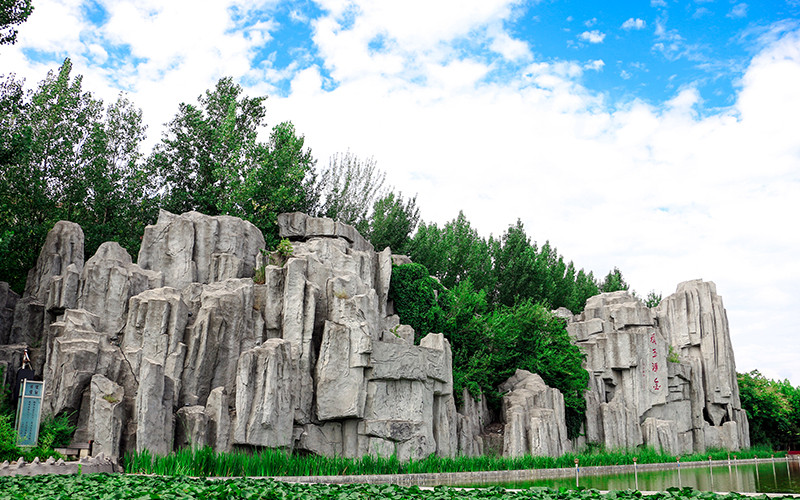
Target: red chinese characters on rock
(654, 364)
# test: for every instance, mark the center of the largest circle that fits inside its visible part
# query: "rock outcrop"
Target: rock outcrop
(534, 417)
(663, 377)
(185, 349)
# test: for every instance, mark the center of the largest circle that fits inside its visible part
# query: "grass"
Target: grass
(268, 462)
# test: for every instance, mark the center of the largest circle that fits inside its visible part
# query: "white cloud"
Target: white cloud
(590, 22)
(634, 24)
(738, 11)
(595, 65)
(593, 36)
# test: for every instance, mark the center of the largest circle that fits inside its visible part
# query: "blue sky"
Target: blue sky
(657, 136)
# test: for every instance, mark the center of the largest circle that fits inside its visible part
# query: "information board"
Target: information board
(29, 410)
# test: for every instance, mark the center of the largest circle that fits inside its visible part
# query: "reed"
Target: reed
(205, 462)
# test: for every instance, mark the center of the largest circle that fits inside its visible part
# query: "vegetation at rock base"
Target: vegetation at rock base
(773, 409)
(268, 462)
(154, 487)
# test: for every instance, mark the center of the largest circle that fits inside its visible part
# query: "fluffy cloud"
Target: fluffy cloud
(634, 24)
(594, 36)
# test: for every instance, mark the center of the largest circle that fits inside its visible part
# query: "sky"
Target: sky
(661, 137)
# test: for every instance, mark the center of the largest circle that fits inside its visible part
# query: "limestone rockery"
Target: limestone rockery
(184, 348)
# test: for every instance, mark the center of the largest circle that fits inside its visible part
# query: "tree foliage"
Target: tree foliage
(12, 14)
(348, 188)
(489, 346)
(773, 410)
(66, 156)
(210, 160)
(392, 222)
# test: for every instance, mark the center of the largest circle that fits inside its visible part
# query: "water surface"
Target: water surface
(766, 477)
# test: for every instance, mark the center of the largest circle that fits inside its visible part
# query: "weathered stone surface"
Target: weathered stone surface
(108, 281)
(225, 326)
(325, 439)
(8, 302)
(193, 247)
(106, 416)
(219, 428)
(652, 370)
(697, 325)
(191, 427)
(534, 417)
(265, 388)
(473, 417)
(154, 410)
(155, 330)
(62, 247)
(340, 388)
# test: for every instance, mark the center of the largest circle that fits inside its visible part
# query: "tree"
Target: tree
(348, 188)
(515, 268)
(208, 149)
(614, 282)
(773, 410)
(210, 160)
(392, 221)
(12, 13)
(454, 253)
(64, 156)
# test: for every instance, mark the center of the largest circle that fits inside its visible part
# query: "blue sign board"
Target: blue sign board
(28, 412)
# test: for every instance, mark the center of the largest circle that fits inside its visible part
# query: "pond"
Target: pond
(766, 477)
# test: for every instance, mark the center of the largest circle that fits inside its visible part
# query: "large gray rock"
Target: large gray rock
(108, 281)
(225, 326)
(196, 248)
(534, 417)
(664, 377)
(62, 247)
(106, 416)
(265, 389)
(8, 302)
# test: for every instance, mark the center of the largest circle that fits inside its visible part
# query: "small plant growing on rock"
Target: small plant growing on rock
(260, 277)
(282, 252)
(110, 398)
(341, 294)
(672, 356)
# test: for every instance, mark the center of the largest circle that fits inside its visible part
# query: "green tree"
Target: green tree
(454, 253)
(614, 282)
(208, 149)
(515, 267)
(392, 221)
(210, 160)
(64, 156)
(348, 188)
(772, 409)
(12, 13)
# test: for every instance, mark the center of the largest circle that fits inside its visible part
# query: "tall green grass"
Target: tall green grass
(206, 462)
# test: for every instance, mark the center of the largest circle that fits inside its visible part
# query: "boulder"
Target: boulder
(534, 417)
(108, 281)
(265, 389)
(106, 416)
(196, 248)
(8, 302)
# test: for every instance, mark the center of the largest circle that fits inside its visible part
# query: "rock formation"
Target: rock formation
(185, 349)
(209, 340)
(663, 377)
